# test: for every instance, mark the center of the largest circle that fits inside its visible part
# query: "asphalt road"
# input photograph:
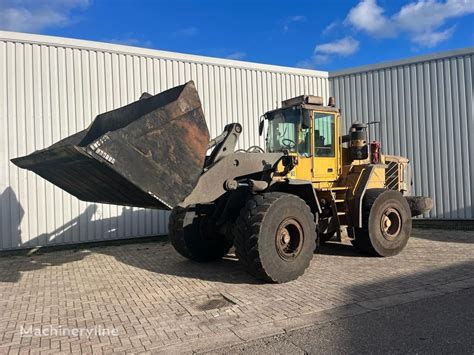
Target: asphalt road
(443, 324)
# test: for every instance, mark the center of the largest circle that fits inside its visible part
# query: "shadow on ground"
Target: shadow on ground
(154, 255)
(406, 323)
(334, 248)
(410, 320)
(442, 235)
(157, 256)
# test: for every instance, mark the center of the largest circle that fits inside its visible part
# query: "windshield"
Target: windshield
(285, 132)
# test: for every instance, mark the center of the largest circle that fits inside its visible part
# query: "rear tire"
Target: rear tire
(193, 237)
(175, 231)
(387, 223)
(275, 236)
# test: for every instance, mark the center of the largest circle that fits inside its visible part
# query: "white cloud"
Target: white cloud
(331, 27)
(314, 61)
(305, 64)
(323, 52)
(369, 17)
(237, 55)
(292, 19)
(343, 47)
(431, 39)
(34, 16)
(422, 20)
(428, 15)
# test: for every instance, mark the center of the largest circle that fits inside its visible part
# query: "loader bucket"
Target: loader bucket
(149, 153)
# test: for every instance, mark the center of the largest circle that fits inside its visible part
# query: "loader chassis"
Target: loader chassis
(274, 205)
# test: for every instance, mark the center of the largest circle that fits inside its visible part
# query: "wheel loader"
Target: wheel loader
(273, 204)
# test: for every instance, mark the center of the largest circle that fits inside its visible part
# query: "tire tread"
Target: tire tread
(246, 233)
(362, 240)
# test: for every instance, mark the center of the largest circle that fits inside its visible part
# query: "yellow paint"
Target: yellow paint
(326, 169)
(322, 171)
(377, 180)
(304, 168)
(336, 177)
(329, 173)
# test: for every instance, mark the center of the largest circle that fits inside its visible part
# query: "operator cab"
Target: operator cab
(289, 127)
(287, 131)
(305, 128)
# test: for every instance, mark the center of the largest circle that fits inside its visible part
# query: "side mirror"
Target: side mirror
(260, 126)
(306, 119)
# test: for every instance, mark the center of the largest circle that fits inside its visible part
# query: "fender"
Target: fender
(301, 188)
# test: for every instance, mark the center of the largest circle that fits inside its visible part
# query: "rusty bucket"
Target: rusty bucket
(149, 153)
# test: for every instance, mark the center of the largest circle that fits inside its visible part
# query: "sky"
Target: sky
(324, 35)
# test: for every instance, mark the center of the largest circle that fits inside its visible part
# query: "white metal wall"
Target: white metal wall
(425, 105)
(53, 87)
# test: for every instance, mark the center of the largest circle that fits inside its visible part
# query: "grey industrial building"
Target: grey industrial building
(53, 87)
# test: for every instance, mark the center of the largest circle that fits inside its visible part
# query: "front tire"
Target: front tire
(387, 223)
(275, 236)
(193, 236)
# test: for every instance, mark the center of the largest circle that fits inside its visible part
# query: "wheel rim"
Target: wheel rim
(289, 239)
(391, 224)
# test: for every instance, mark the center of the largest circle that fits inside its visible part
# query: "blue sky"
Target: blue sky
(324, 35)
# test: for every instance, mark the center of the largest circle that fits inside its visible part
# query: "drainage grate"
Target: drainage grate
(209, 303)
(216, 302)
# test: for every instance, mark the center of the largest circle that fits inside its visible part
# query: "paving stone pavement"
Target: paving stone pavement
(146, 298)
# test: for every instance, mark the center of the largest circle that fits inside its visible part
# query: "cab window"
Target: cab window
(324, 134)
(285, 132)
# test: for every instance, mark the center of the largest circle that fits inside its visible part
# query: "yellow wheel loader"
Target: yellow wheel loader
(274, 205)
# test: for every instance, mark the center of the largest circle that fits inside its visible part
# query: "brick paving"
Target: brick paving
(157, 301)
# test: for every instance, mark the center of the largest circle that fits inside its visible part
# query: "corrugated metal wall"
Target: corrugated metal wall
(425, 106)
(52, 87)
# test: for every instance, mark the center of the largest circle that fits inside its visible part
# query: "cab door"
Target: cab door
(304, 167)
(325, 145)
